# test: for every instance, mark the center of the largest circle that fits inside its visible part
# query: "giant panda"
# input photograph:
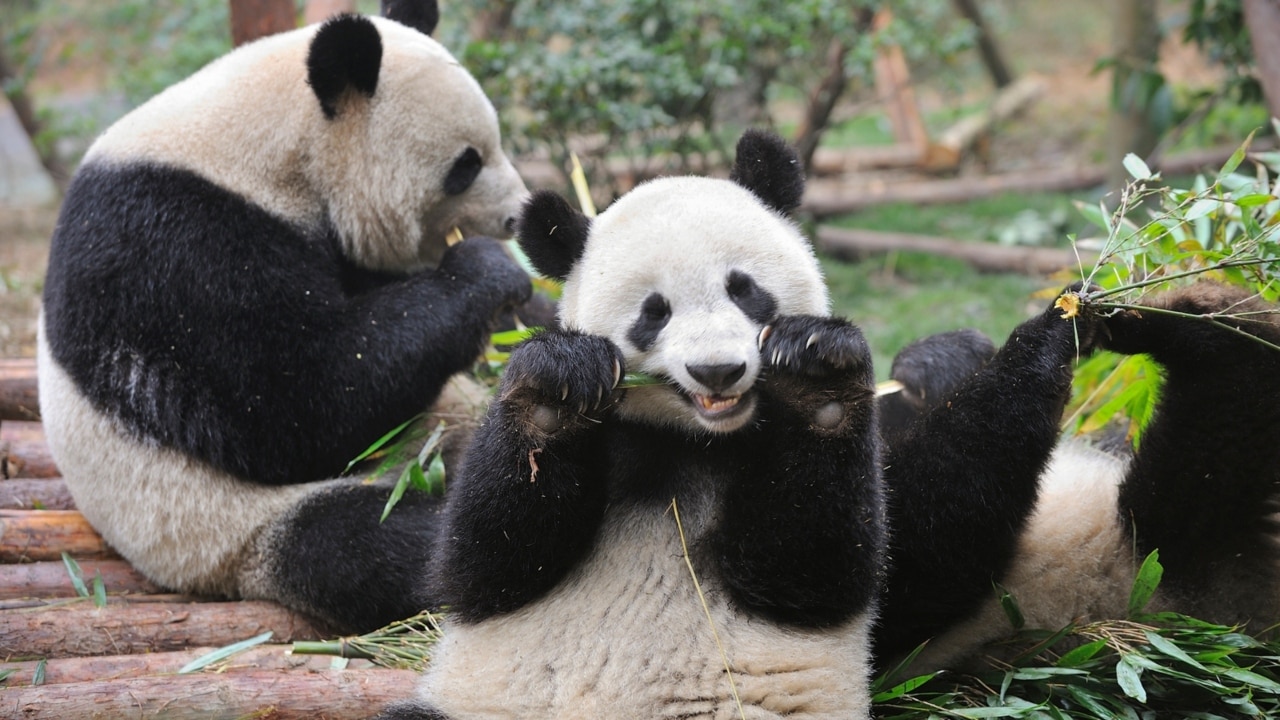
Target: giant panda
(249, 283)
(982, 490)
(562, 558)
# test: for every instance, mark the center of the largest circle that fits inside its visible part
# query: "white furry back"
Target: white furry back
(626, 636)
(1074, 561)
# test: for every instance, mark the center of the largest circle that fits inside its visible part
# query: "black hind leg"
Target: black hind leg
(410, 711)
(333, 559)
(1201, 488)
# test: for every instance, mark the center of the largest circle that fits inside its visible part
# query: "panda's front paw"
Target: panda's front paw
(819, 367)
(560, 378)
(485, 263)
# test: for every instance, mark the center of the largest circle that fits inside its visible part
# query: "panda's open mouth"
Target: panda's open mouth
(715, 405)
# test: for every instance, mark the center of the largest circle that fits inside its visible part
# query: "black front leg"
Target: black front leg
(964, 478)
(802, 537)
(531, 492)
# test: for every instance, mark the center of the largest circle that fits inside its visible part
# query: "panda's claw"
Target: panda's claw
(564, 392)
(765, 332)
(617, 373)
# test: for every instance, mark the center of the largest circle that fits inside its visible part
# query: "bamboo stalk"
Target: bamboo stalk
(34, 535)
(277, 694)
(50, 579)
(80, 629)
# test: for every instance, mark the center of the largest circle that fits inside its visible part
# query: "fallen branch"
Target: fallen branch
(853, 244)
(123, 627)
(34, 535)
(275, 694)
(35, 494)
(116, 667)
(952, 144)
(50, 579)
(18, 396)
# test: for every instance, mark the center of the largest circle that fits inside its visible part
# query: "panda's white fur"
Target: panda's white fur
(249, 283)
(249, 122)
(571, 592)
(635, 251)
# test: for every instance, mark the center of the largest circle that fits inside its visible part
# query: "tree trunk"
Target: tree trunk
(275, 694)
(252, 19)
(27, 117)
(124, 627)
(1262, 18)
(991, 55)
(822, 101)
(319, 10)
(1135, 49)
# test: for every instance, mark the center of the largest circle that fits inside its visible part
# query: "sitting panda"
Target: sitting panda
(711, 546)
(249, 284)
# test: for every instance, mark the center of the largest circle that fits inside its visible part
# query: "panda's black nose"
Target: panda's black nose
(717, 377)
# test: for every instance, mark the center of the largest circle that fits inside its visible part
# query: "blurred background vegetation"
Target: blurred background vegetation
(638, 87)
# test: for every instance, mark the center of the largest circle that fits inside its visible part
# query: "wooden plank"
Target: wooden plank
(35, 494)
(34, 535)
(50, 579)
(24, 452)
(275, 694)
(856, 244)
(18, 395)
(124, 627)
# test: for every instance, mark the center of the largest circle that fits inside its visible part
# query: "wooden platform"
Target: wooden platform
(71, 655)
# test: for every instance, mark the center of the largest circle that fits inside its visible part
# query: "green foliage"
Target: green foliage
(638, 78)
(1147, 666)
(1225, 227)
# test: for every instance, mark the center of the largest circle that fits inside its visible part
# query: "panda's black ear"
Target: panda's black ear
(552, 233)
(345, 55)
(767, 166)
(421, 15)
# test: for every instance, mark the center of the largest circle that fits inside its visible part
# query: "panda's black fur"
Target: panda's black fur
(249, 283)
(560, 560)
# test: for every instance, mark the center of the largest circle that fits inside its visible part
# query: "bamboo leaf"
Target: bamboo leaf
(902, 688)
(76, 575)
(1145, 584)
(99, 591)
(987, 712)
(380, 442)
(4, 674)
(512, 337)
(1256, 681)
(397, 492)
(1137, 167)
(1168, 647)
(223, 653)
(1082, 654)
(37, 677)
(1129, 677)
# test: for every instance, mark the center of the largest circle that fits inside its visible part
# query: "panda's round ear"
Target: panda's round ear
(552, 233)
(345, 56)
(421, 15)
(767, 166)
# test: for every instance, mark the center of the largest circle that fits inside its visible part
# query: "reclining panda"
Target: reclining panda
(575, 591)
(249, 284)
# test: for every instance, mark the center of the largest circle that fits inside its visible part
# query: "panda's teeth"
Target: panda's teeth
(716, 404)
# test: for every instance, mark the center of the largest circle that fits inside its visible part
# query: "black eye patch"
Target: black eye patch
(464, 172)
(654, 314)
(754, 301)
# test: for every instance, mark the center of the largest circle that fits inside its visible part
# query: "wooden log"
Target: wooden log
(35, 494)
(18, 395)
(954, 142)
(24, 452)
(115, 667)
(50, 579)
(124, 627)
(275, 694)
(856, 244)
(34, 535)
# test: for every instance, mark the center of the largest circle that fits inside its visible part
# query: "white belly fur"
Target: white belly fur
(626, 636)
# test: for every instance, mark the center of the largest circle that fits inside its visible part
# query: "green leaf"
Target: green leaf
(417, 479)
(1145, 584)
(99, 590)
(987, 712)
(1253, 679)
(380, 442)
(435, 475)
(1168, 647)
(1082, 654)
(902, 688)
(1202, 208)
(1009, 604)
(77, 576)
(397, 492)
(1137, 167)
(4, 674)
(223, 653)
(37, 677)
(512, 337)
(1129, 677)
(1237, 157)
(1253, 200)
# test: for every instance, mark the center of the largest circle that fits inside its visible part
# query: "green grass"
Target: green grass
(978, 220)
(904, 296)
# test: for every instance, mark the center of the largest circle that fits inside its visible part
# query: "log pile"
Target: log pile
(66, 654)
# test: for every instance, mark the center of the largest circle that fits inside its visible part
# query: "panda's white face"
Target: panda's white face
(433, 163)
(683, 274)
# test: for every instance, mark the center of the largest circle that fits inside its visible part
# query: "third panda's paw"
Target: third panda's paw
(560, 378)
(818, 366)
